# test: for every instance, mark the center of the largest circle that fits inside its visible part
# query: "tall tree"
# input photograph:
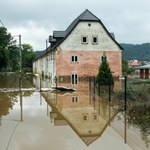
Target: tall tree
(104, 76)
(9, 53)
(5, 42)
(28, 56)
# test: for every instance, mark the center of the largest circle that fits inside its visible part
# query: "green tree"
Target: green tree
(104, 76)
(5, 42)
(14, 58)
(28, 56)
(125, 68)
(9, 53)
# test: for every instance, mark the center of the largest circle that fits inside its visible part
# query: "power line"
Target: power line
(2, 23)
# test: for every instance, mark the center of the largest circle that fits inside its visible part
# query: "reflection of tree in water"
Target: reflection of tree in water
(7, 100)
(139, 116)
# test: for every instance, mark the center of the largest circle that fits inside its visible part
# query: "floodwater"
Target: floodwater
(83, 120)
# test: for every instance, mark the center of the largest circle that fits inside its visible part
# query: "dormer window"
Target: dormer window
(95, 39)
(84, 39)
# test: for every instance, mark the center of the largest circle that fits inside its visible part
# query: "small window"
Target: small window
(74, 99)
(95, 40)
(74, 78)
(85, 117)
(84, 39)
(95, 117)
(74, 58)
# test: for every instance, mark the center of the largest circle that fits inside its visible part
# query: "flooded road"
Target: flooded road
(32, 120)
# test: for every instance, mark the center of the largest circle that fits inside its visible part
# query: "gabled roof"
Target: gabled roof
(60, 34)
(85, 16)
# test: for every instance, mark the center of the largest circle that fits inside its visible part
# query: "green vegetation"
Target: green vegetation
(125, 68)
(9, 53)
(138, 51)
(27, 57)
(139, 116)
(5, 44)
(137, 91)
(104, 76)
(38, 53)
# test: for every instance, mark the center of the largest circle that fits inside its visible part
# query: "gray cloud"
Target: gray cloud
(36, 19)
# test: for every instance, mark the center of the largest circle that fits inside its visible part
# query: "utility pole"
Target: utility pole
(46, 44)
(20, 53)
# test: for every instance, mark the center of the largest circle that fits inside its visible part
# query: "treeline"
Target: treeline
(138, 51)
(10, 53)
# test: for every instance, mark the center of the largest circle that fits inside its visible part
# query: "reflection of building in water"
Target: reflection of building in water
(0, 121)
(86, 114)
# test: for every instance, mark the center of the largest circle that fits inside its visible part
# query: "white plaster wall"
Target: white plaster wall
(45, 64)
(34, 67)
(39, 66)
(73, 41)
(50, 69)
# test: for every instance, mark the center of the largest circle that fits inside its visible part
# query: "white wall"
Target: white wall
(73, 41)
(45, 64)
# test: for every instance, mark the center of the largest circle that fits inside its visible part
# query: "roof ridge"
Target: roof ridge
(82, 14)
(85, 16)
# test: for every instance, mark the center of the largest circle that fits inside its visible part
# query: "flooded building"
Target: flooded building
(75, 53)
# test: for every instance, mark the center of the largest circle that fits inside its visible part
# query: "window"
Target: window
(94, 39)
(85, 116)
(74, 99)
(84, 39)
(95, 117)
(74, 58)
(74, 78)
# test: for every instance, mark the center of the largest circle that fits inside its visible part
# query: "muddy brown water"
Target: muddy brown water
(63, 120)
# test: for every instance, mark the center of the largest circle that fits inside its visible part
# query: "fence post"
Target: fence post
(94, 85)
(90, 84)
(125, 109)
(109, 90)
(40, 84)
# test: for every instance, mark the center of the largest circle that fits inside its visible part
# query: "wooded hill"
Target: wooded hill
(138, 51)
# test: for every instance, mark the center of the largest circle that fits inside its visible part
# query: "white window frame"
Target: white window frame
(74, 58)
(93, 37)
(85, 117)
(95, 115)
(75, 99)
(82, 39)
(74, 79)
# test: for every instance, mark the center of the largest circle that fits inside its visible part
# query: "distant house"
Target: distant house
(144, 71)
(134, 63)
(76, 53)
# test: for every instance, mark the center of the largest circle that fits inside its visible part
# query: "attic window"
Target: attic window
(84, 39)
(95, 117)
(85, 116)
(95, 39)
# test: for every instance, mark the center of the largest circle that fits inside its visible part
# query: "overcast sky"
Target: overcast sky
(35, 20)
